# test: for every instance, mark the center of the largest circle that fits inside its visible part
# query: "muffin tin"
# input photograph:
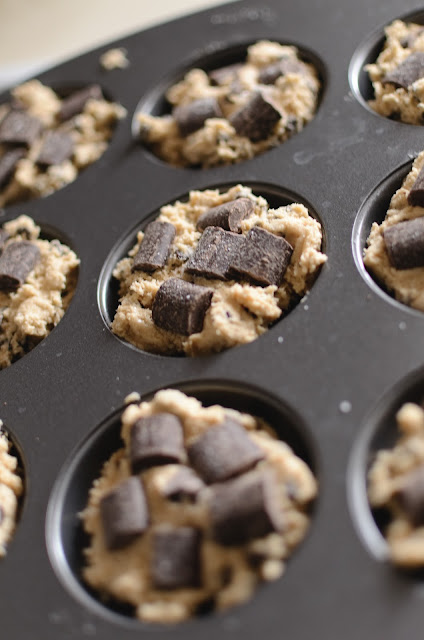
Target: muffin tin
(329, 376)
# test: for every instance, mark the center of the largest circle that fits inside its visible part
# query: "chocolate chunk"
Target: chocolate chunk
(407, 72)
(411, 496)
(183, 484)
(227, 215)
(223, 451)
(76, 102)
(155, 440)
(214, 253)
(175, 561)
(225, 75)
(270, 73)
(154, 248)
(191, 117)
(257, 119)
(18, 127)
(57, 147)
(405, 244)
(180, 306)
(8, 162)
(263, 259)
(4, 236)
(416, 194)
(16, 262)
(245, 508)
(124, 513)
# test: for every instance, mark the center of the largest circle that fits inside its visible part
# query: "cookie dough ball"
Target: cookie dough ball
(396, 483)
(398, 74)
(45, 141)
(236, 112)
(395, 249)
(215, 272)
(198, 506)
(37, 281)
(11, 488)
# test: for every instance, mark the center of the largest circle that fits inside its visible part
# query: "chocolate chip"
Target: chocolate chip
(183, 484)
(18, 127)
(411, 496)
(4, 236)
(8, 162)
(245, 508)
(223, 451)
(175, 561)
(16, 262)
(416, 194)
(124, 513)
(405, 244)
(76, 102)
(257, 119)
(57, 147)
(263, 259)
(180, 306)
(270, 73)
(225, 75)
(227, 215)
(192, 117)
(154, 248)
(214, 253)
(155, 440)
(407, 72)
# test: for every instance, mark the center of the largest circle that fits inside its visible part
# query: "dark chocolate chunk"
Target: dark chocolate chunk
(407, 72)
(156, 439)
(16, 262)
(180, 306)
(154, 248)
(214, 253)
(175, 561)
(124, 513)
(257, 119)
(18, 127)
(263, 259)
(4, 236)
(191, 117)
(411, 496)
(227, 215)
(183, 484)
(244, 508)
(76, 102)
(225, 75)
(405, 244)
(270, 73)
(57, 147)
(416, 194)
(8, 162)
(223, 451)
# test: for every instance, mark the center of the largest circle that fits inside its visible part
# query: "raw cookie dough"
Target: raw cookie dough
(396, 483)
(271, 70)
(229, 572)
(11, 488)
(85, 130)
(240, 311)
(405, 103)
(406, 285)
(114, 59)
(30, 311)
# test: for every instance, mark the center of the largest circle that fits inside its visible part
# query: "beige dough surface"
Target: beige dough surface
(36, 307)
(11, 488)
(90, 131)
(227, 573)
(217, 143)
(406, 105)
(406, 285)
(239, 312)
(114, 59)
(386, 476)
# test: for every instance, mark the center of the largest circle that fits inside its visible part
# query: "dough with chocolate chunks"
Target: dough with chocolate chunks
(396, 484)
(240, 310)
(179, 564)
(11, 488)
(35, 291)
(393, 252)
(234, 113)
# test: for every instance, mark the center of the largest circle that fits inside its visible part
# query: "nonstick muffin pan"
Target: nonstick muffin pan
(328, 376)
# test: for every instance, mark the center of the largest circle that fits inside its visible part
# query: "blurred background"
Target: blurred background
(36, 34)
